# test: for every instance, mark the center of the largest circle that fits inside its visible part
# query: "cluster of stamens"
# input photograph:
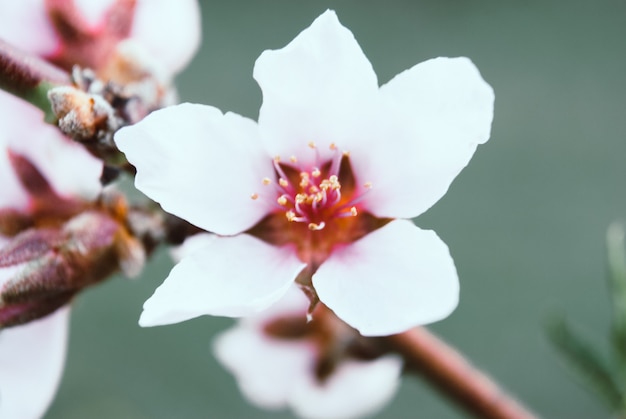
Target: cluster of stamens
(312, 196)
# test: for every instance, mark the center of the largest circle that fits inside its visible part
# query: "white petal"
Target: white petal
(169, 30)
(201, 165)
(267, 370)
(25, 24)
(93, 11)
(69, 168)
(230, 276)
(435, 114)
(31, 364)
(356, 389)
(190, 245)
(396, 277)
(314, 89)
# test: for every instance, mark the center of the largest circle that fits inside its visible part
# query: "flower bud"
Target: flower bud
(82, 116)
(42, 269)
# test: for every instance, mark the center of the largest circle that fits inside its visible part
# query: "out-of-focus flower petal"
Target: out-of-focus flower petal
(25, 24)
(392, 279)
(230, 276)
(267, 370)
(169, 30)
(273, 372)
(13, 194)
(314, 89)
(93, 11)
(67, 165)
(201, 165)
(31, 364)
(356, 389)
(435, 115)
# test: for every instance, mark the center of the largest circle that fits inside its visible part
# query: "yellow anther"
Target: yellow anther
(277, 159)
(368, 185)
(319, 197)
(353, 211)
(311, 144)
(313, 189)
(293, 159)
(282, 182)
(333, 146)
(300, 198)
(254, 196)
(266, 181)
(290, 215)
(317, 227)
(282, 200)
(305, 179)
(334, 182)
(346, 154)
(316, 172)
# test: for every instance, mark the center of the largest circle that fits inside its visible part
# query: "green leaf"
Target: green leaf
(585, 362)
(617, 281)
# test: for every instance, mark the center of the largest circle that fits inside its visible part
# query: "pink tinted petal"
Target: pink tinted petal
(31, 365)
(230, 276)
(169, 30)
(93, 11)
(396, 277)
(314, 89)
(13, 194)
(356, 389)
(435, 114)
(70, 169)
(201, 165)
(25, 24)
(267, 370)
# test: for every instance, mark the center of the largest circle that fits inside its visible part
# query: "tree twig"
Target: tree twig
(29, 77)
(455, 377)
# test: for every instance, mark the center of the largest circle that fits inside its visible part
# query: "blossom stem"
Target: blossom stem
(29, 77)
(454, 376)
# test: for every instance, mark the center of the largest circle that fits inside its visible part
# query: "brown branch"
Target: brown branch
(21, 70)
(29, 77)
(454, 376)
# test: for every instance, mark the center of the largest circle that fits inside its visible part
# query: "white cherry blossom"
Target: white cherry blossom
(31, 364)
(32, 355)
(168, 31)
(274, 372)
(321, 189)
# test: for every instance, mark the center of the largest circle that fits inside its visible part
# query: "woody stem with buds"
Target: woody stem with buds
(448, 371)
(29, 77)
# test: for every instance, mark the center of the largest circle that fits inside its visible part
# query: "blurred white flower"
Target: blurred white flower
(87, 32)
(32, 355)
(65, 164)
(355, 163)
(31, 365)
(275, 372)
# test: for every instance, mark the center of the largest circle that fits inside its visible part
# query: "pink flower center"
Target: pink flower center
(314, 196)
(84, 44)
(334, 341)
(317, 207)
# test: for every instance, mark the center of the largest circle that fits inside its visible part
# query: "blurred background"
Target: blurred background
(525, 221)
